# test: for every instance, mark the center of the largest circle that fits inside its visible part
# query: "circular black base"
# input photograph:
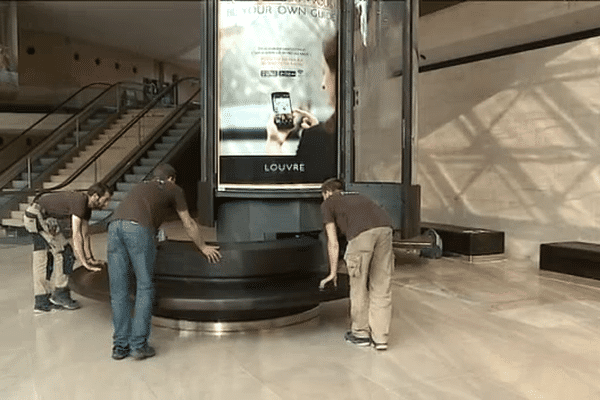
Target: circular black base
(243, 299)
(254, 281)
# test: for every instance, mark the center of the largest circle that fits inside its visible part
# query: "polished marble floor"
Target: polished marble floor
(484, 330)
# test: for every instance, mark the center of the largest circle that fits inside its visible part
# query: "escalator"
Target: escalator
(23, 174)
(163, 148)
(89, 129)
(121, 152)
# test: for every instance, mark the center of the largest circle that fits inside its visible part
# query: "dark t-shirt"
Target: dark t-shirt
(62, 205)
(353, 213)
(151, 203)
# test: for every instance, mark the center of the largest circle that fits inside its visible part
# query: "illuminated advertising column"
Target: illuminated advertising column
(277, 93)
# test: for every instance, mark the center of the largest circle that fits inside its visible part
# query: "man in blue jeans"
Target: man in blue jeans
(132, 252)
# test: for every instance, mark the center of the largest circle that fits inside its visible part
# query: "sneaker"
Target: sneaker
(62, 297)
(143, 352)
(359, 341)
(43, 309)
(43, 304)
(380, 346)
(119, 353)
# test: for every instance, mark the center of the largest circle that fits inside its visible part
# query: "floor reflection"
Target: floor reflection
(460, 330)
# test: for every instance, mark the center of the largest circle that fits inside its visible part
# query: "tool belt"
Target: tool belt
(37, 222)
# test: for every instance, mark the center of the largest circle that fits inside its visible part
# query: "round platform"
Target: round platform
(229, 327)
(181, 258)
(259, 281)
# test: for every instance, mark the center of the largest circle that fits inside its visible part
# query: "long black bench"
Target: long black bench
(467, 241)
(573, 258)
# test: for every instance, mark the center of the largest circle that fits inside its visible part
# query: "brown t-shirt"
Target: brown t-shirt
(353, 213)
(62, 205)
(151, 203)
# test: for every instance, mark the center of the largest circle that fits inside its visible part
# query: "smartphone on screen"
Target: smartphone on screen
(282, 106)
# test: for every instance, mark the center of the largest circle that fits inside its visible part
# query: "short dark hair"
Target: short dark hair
(98, 188)
(164, 172)
(332, 185)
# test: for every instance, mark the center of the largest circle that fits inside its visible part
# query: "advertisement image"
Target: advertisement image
(277, 66)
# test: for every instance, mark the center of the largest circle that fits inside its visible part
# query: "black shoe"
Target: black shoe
(119, 353)
(43, 305)
(62, 297)
(143, 352)
(359, 341)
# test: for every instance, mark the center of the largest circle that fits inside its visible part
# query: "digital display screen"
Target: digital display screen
(270, 55)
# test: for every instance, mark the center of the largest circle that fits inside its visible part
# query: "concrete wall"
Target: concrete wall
(512, 143)
(49, 70)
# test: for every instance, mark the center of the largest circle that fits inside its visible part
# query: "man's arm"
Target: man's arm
(87, 245)
(333, 251)
(87, 248)
(193, 231)
(80, 236)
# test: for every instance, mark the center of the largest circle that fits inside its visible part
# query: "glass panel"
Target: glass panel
(378, 107)
(270, 62)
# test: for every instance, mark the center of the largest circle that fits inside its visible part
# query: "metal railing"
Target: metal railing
(109, 99)
(144, 143)
(55, 111)
(115, 98)
(21, 195)
(134, 156)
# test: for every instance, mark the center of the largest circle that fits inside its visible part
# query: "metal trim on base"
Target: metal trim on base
(483, 258)
(241, 326)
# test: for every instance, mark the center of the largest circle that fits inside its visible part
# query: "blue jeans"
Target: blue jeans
(131, 252)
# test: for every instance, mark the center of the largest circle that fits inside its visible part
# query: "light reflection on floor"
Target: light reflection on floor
(487, 330)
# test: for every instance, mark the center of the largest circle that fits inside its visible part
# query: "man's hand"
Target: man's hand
(333, 250)
(212, 253)
(329, 278)
(275, 137)
(308, 120)
(91, 267)
(98, 263)
(193, 230)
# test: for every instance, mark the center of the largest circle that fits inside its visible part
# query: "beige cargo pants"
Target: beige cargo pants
(370, 261)
(58, 279)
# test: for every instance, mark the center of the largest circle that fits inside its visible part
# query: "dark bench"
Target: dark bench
(573, 258)
(467, 241)
(416, 243)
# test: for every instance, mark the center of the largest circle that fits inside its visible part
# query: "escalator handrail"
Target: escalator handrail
(127, 163)
(116, 173)
(9, 172)
(175, 148)
(166, 158)
(117, 136)
(21, 195)
(50, 113)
